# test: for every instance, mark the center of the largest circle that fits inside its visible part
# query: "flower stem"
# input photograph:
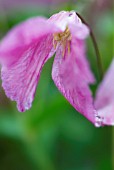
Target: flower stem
(99, 61)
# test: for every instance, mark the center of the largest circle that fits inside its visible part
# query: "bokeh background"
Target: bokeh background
(52, 135)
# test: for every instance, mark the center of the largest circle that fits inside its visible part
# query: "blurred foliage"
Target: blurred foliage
(52, 135)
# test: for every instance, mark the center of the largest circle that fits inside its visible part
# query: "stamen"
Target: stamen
(68, 47)
(54, 44)
(63, 38)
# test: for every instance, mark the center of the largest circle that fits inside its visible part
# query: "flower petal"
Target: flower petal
(24, 51)
(77, 28)
(60, 19)
(106, 114)
(22, 36)
(70, 78)
(105, 91)
(79, 50)
(65, 18)
(104, 101)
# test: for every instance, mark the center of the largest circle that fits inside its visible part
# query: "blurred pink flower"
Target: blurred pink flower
(104, 101)
(28, 46)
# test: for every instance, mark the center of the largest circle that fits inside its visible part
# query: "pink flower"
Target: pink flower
(104, 101)
(28, 46)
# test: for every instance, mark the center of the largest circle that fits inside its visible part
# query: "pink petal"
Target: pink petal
(70, 78)
(79, 49)
(22, 36)
(70, 19)
(105, 91)
(106, 114)
(24, 51)
(20, 79)
(60, 19)
(77, 28)
(104, 101)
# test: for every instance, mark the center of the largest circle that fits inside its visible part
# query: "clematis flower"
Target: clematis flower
(28, 46)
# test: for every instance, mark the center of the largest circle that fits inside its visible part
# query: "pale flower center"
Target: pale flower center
(63, 39)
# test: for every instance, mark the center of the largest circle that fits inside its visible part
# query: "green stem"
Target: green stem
(99, 61)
